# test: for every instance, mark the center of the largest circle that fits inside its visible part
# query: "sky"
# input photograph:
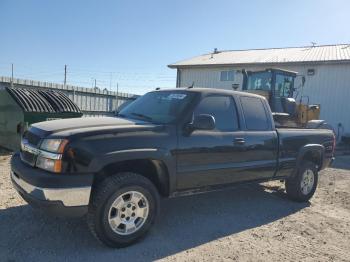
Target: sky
(130, 43)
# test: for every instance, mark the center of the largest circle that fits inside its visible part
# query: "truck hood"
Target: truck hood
(71, 126)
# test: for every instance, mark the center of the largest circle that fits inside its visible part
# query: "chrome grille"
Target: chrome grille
(28, 158)
(29, 152)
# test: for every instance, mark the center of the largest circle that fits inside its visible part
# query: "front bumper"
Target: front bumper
(57, 194)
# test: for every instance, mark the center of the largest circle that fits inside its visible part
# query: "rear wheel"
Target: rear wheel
(302, 186)
(123, 208)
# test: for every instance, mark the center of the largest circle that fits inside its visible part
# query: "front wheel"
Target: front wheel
(302, 186)
(123, 208)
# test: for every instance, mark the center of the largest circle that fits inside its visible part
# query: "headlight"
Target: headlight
(54, 145)
(50, 154)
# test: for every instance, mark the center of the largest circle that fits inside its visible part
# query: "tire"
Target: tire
(298, 187)
(117, 198)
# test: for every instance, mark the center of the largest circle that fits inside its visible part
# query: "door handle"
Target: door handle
(239, 141)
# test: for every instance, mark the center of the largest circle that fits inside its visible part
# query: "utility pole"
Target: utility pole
(95, 83)
(65, 75)
(110, 99)
(11, 75)
(117, 97)
(110, 80)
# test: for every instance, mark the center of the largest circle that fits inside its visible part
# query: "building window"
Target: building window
(227, 75)
(310, 72)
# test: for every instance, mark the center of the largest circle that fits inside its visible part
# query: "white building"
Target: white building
(326, 69)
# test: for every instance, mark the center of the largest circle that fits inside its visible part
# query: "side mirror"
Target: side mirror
(203, 122)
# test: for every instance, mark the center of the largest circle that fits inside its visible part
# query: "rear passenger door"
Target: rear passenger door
(260, 139)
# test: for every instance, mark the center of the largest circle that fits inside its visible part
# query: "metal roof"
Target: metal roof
(49, 85)
(324, 53)
(35, 100)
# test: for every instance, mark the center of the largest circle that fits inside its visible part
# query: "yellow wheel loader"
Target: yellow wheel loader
(277, 86)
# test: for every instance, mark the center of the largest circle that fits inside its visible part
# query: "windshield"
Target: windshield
(259, 81)
(159, 106)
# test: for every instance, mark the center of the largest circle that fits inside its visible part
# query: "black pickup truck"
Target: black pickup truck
(167, 143)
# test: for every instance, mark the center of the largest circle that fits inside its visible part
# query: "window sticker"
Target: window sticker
(176, 96)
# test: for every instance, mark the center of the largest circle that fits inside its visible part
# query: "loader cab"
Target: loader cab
(276, 85)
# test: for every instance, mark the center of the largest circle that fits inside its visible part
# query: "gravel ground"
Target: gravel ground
(248, 223)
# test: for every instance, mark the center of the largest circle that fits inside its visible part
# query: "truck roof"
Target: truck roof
(211, 91)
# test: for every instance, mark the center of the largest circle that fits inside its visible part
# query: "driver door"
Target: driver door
(207, 157)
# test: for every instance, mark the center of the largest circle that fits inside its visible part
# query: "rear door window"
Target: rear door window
(254, 113)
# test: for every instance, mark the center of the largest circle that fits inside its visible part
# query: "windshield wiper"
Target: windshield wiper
(120, 115)
(143, 116)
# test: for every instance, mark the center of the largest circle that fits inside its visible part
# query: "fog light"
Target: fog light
(52, 165)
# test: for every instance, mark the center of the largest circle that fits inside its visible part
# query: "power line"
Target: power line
(65, 75)
(37, 71)
(12, 75)
(120, 80)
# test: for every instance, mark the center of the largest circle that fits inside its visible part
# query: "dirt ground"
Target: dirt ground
(248, 223)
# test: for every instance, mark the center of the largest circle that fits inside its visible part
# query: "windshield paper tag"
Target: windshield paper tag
(177, 96)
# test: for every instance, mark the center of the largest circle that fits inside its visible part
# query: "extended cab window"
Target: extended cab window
(254, 113)
(222, 108)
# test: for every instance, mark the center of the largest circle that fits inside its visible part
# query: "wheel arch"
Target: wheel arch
(313, 153)
(153, 169)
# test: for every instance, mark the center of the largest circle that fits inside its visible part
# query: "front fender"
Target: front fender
(159, 154)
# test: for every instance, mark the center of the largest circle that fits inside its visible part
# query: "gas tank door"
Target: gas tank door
(289, 105)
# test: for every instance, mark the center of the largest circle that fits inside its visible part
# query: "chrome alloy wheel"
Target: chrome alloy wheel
(307, 181)
(128, 213)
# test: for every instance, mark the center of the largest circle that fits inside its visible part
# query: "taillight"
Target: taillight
(334, 143)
